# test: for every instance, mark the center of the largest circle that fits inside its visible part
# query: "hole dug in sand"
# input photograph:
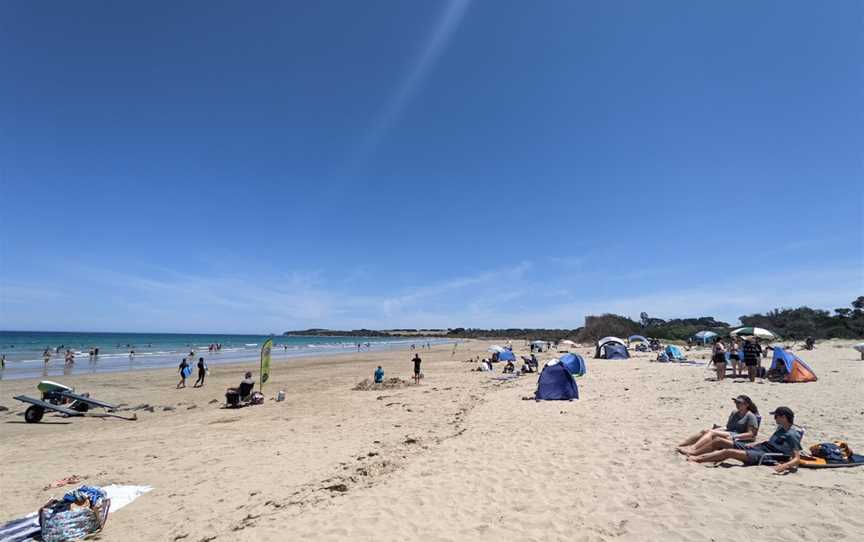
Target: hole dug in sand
(388, 384)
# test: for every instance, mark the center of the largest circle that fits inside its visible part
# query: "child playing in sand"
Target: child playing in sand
(379, 375)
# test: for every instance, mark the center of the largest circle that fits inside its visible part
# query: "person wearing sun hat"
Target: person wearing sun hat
(743, 424)
(786, 441)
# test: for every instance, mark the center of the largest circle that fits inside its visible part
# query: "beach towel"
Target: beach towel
(819, 463)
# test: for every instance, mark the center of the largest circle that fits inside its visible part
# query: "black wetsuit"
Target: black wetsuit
(202, 372)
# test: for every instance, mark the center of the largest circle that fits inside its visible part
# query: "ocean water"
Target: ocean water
(25, 359)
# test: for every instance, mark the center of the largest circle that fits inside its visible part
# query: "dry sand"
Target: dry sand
(460, 457)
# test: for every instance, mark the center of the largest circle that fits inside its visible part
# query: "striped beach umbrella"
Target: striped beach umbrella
(757, 332)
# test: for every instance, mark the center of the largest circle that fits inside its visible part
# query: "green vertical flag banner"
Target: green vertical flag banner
(265, 360)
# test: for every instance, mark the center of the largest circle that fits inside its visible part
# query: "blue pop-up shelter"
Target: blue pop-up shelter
(615, 351)
(705, 336)
(789, 367)
(556, 384)
(574, 363)
(674, 353)
(506, 355)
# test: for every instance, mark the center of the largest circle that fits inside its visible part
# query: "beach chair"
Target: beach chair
(758, 428)
(778, 457)
(240, 396)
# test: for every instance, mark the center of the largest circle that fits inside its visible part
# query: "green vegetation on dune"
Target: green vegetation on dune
(798, 323)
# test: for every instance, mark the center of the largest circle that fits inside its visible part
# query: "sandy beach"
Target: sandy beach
(459, 457)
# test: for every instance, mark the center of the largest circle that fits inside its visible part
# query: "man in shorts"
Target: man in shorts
(752, 356)
(786, 440)
(417, 362)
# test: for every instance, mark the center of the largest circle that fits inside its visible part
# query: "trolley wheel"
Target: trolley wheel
(34, 414)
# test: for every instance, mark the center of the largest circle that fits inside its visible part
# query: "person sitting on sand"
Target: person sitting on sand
(379, 375)
(786, 441)
(743, 424)
(509, 368)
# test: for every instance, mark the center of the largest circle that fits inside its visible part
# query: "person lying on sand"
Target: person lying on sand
(786, 440)
(743, 424)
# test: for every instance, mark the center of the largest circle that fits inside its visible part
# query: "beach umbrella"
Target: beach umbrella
(757, 332)
(495, 348)
(705, 335)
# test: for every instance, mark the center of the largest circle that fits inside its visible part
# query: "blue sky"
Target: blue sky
(199, 166)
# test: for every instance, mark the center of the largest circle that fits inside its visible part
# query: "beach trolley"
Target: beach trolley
(63, 400)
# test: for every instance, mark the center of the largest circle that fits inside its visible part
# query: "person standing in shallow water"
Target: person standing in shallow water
(202, 372)
(417, 362)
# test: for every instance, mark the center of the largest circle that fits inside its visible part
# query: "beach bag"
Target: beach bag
(832, 452)
(63, 520)
(257, 398)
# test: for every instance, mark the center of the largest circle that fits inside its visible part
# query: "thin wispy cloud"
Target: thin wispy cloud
(436, 43)
(514, 295)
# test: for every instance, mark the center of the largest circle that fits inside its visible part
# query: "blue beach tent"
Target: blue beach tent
(574, 363)
(789, 368)
(556, 384)
(674, 353)
(611, 348)
(506, 355)
(615, 351)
